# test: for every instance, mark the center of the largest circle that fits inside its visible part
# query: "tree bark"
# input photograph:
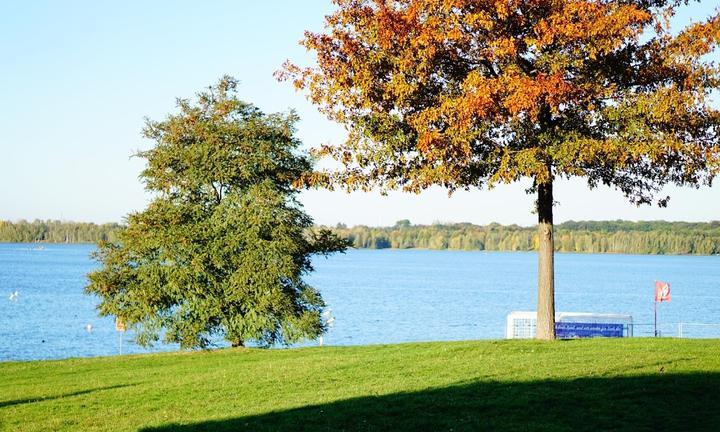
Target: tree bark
(238, 343)
(545, 329)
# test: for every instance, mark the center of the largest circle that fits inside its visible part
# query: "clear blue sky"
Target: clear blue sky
(79, 76)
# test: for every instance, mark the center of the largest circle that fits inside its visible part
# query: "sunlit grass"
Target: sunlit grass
(631, 384)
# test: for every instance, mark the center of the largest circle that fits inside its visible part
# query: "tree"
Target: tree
(222, 248)
(473, 93)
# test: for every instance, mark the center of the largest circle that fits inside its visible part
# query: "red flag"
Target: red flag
(662, 291)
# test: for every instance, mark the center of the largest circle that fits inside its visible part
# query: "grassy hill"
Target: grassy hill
(631, 384)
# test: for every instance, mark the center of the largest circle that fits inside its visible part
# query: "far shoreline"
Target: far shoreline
(558, 252)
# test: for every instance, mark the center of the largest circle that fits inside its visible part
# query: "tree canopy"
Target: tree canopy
(472, 93)
(222, 248)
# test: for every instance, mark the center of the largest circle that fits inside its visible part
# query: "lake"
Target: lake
(376, 296)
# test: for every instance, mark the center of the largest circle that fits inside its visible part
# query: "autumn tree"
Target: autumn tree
(222, 249)
(473, 93)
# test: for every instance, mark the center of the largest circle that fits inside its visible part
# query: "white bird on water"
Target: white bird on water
(329, 321)
(14, 296)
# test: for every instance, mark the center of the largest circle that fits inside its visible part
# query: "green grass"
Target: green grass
(628, 384)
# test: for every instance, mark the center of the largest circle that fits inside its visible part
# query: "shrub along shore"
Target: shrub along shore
(601, 384)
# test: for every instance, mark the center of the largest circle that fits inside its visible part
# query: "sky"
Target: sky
(77, 78)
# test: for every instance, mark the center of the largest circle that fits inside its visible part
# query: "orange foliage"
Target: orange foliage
(464, 93)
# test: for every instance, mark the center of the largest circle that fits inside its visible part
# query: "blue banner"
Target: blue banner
(570, 330)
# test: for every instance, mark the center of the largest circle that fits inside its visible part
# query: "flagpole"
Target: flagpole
(655, 303)
(662, 294)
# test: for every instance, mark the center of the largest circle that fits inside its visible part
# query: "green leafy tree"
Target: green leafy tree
(222, 248)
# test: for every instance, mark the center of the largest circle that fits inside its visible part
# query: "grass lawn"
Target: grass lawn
(610, 384)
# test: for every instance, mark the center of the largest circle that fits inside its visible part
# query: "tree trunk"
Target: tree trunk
(238, 343)
(546, 264)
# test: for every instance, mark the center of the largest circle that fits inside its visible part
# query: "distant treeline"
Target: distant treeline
(56, 232)
(671, 238)
(676, 238)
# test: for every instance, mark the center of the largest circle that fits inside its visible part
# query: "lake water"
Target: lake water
(377, 296)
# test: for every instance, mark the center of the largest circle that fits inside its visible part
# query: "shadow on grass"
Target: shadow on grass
(47, 398)
(643, 403)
